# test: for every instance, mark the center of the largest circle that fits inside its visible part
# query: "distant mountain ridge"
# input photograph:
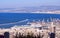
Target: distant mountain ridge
(31, 9)
(37, 7)
(45, 7)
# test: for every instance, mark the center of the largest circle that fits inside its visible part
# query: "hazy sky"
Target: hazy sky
(27, 3)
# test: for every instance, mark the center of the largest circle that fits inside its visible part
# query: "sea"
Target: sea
(8, 20)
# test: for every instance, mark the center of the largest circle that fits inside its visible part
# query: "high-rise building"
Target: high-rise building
(6, 34)
(52, 34)
(1, 36)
